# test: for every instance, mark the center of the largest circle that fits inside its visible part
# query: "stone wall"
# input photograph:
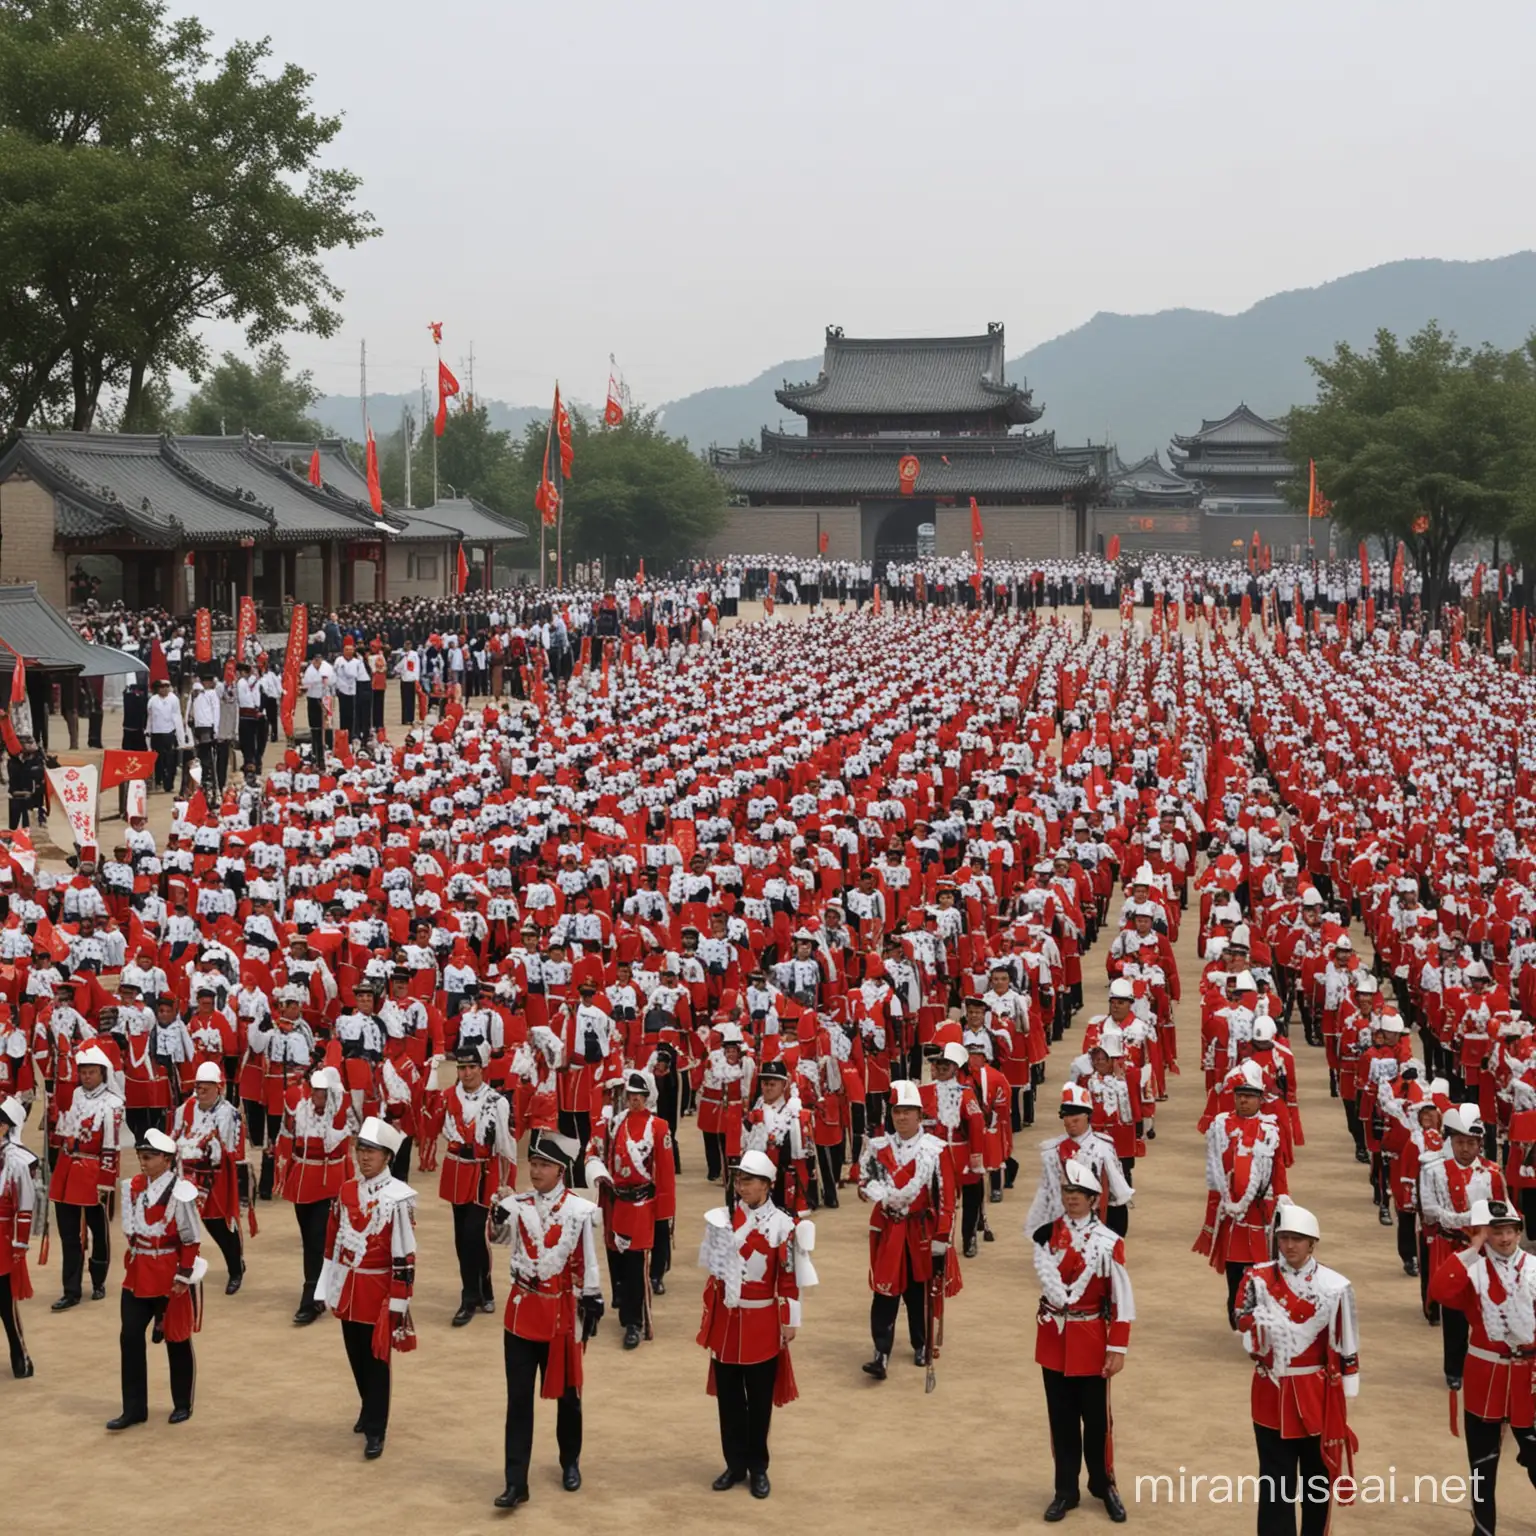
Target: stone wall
(1018, 533)
(26, 540)
(404, 559)
(788, 531)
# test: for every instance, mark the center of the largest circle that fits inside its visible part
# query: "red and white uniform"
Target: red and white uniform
(1086, 1306)
(756, 1270)
(631, 1156)
(911, 1187)
(314, 1148)
(480, 1148)
(17, 1200)
(1498, 1296)
(210, 1146)
(161, 1230)
(90, 1134)
(370, 1248)
(1240, 1158)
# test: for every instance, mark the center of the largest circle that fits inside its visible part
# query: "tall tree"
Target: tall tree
(147, 186)
(634, 493)
(1426, 441)
(260, 397)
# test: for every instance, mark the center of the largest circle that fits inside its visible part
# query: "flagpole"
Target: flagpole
(434, 429)
(560, 509)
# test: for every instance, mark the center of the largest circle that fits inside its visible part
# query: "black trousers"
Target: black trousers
(714, 1155)
(971, 1196)
(474, 1256)
(344, 712)
(407, 703)
(882, 1317)
(252, 730)
(1484, 1442)
(661, 1253)
(69, 1219)
(1453, 1340)
(1078, 1410)
(1289, 1469)
(630, 1285)
(312, 1217)
(316, 713)
(1235, 1273)
(167, 758)
(371, 1376)
(138, 1312)
(10, 1317)
(744, 1397)
(226, 1234)
(527, 1360)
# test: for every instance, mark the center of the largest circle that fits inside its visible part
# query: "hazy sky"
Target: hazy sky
(701, 188)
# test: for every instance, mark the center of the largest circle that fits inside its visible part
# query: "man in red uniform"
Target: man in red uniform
(555, 1283)
(629, 1159)
(162, 1272)
(1493, 1284)
(953, 1113)
(16, 1204)
(210, 1148)
(90, 1134)
(1082, 1331)
(1297, 1320)
(369, 1274)
(908, 1178)
(757, 1260)
(314, 1152)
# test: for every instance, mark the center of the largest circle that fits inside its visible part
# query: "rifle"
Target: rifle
(933, 1326)
(46, 1234)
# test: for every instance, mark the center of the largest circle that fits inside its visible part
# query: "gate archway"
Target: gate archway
(890, 529)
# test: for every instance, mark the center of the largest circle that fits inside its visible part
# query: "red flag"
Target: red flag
(1397, 568)
(120, 767)
(159, 671)
(375, 495)
(613, 411)
(563, 427)
(1112, 549)
(245, 626)
(1365, 567)
(977, 532)
(1318, 505)
(1370, 615)
(1477, 581)
(640, 573)
(19, 679)
(203, 635)
(1264, 558)
(293, 664)
(447, 387)
(436, 327)
(463, 572)
(822, 540)
(315, 477)
(878, 604)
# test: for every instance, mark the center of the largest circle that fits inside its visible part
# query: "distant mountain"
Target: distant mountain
(1141, 378)
(342, 414)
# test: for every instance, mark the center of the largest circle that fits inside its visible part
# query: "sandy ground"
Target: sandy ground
(271, 1438)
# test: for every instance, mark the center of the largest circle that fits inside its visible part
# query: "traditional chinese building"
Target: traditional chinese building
(944, 403)
(192, 522)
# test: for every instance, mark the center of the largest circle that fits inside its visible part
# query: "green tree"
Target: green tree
(473, 459)
(634, 492)
(1426, 441)
(259, 397)
(145, 187)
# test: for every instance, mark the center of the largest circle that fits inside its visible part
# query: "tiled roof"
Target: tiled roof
(336, 467)
(1196, 469)
(868, 467)
(1241, 428)
(459, 518)
(912, 376)
(39, 633)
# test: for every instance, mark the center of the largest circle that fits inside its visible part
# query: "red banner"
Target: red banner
(822, 540)
(245, 627)
(293, 664)
(908, 470)
(1397, 569)
(1365, 567)
(203, 631)
(1112, 549)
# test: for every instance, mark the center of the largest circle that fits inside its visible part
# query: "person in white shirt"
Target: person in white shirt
(164, 720)
(318, 682)
(408, 670)
(252, 718)
(203, 717)
(345, 679)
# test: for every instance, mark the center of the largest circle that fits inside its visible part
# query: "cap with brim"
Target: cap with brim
(1081, 1177)
(757, 1165)
(1501, 1214)
(1298, 1221)
(774, 1071)
(378, 1136)
(157, 1141)
(906, 1095)
(209, 1072)
(549, 1147)
(471, 1054)
(12, 1109)
(956, 1054)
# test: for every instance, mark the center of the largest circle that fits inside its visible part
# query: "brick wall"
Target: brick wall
(27, 550)
(1035, 533)
(787, 531)
(403, 558)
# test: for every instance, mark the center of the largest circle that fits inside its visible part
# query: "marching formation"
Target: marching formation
(845, 913)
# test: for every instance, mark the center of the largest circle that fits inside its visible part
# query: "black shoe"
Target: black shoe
(1152, 1129)
(829, 1199)
(995, 1197)
(658, 1288)
(126, 1420)
(1411, 1267)
(23, 1370)
(570, 1478)
(1361, 1155)
(235, 1282)
(373, 1447)
(632, 1336)
(1384, 1216)
(306, 1314)
(180, 1416)
(1453, 1382)
(1058, 1507)
(760, 1485)
(970, 1247)
(357, 1428)
(464, 1314)
(64, 1303)
(988, 1235)
(1113, 1507)
(510, 1497)
(728, 1479)
(876, 1367)
(920, 1357)
(487, 1307)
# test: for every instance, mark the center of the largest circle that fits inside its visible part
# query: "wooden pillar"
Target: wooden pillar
(247, 580)
(490, 566)
(380, 581)
(327, 564)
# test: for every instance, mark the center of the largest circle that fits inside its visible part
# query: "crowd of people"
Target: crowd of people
(840, 909)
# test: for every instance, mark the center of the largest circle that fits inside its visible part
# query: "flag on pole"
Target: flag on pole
(463, 572)
(447, 387)
(159, 670)
(202, 630)
(19, 679)
(822, 540)
(316, 479)
(640, 573)
(1112, 549)
(551, 489)
(1365, 568)
(293, 665)
(1397, 568)
(1318, 505)
(977, 538)
(375, 494)
(563, 427)
(613, 411)
(1477, 581)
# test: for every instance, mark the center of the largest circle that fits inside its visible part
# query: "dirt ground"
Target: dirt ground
(270, 1441)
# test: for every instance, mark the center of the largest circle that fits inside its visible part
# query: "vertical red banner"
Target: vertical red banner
(203, 632)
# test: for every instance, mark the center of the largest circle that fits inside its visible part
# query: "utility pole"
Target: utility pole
(405, 439)
(471, 372)
(363, 385)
